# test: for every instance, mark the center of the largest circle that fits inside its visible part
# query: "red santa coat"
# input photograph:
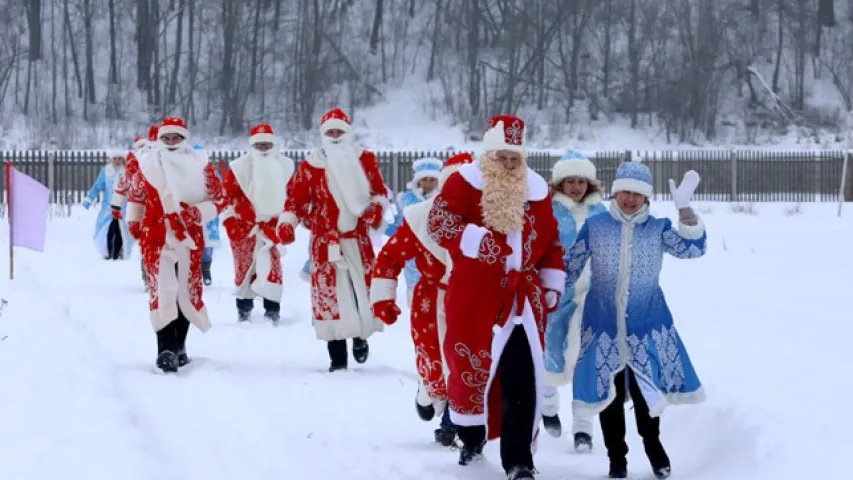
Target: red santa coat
(121, 189)
(155, 191)
(481, 297)
(412, 241)
(341, 261)
(257, 261)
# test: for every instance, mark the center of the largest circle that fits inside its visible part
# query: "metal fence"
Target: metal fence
(727, 175)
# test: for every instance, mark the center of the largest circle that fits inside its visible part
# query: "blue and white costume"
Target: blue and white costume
(626, 321)
(104, 185)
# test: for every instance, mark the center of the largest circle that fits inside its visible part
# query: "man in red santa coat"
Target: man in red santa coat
(495, 219)
(256, 187)
(411, 241)
(172, 195)
(141, 146)
(338, 193)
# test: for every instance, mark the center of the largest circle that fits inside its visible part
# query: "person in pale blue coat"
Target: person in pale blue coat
(112, 237)
(211, 239)
(629, 344)
(576, 196)
(424, 185)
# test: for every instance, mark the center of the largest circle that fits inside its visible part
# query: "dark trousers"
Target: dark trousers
(518, 398)
(246, 305)
(173, 337)
(613, 424)
(446, 423)
(114, 241)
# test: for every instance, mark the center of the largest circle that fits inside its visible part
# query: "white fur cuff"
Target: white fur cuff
(551, 405)
(472, 236)
(208, 211)
(288, 217)
(631, 185)
(423, 398)
(553, 279)
(262, 138)
(382, 289)
(116, 200)
(335, 124)
(692, 232)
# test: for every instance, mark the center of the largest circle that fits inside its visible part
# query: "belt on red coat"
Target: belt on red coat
(518, 287)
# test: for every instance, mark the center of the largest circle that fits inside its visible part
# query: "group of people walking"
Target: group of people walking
(515, 285)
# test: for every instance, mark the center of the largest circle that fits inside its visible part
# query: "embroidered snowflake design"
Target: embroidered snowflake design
(426, 305)
(513, 133)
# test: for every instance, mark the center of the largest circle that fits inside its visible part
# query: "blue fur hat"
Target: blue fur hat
(633, 176)
(572, 164)
(424, 168)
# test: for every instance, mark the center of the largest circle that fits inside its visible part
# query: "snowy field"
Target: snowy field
(766, 316)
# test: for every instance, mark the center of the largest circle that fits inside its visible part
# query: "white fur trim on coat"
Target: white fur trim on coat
(537, 186)
(382, 289)
(553, 279)
(334, 124)
(208, 211)
(563, 169)
(288, 217)
(472, 235)
(116, 200)
(261, 138)
(446, 172)
(494, 140)
(692, 232)
(631, 185)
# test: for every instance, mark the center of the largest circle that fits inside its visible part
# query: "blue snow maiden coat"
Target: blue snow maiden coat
(626, 321)
(104, 186)
(562, 334)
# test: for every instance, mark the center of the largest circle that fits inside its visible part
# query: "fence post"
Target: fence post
(733, 192)
(51, 175)
(395, 172)
(843, 180)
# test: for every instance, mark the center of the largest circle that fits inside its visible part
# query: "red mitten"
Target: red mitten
(373, 215)
(286, 235)
(190, 214)
(135, 229)
(494, 249)
(116, 213)
(269, 228)
(386, 311)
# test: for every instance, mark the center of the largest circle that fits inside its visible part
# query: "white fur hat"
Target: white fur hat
(572, 164)
(428, 167)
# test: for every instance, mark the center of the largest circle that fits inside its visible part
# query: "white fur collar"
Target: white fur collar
(640, 217)
(537, 186)
(566, 201)
(112, 171)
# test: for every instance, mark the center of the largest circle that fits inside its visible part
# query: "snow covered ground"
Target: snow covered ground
(765, 316)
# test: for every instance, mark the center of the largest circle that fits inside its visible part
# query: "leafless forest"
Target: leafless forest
(688, 67)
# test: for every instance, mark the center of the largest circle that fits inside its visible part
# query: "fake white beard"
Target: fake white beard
(268, 182)
(347, 179)
(184, 176)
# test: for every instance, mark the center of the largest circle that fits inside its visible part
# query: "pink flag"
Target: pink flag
(28, 202)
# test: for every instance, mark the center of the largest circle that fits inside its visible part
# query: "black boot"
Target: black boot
(446, 437)
(271, 311)
(205, 273)
(337, 354)
(553, 425)
(520, 473)
(360, 350)
(473, 440)
(182, 328)
(167, 359)
(618, 470)
(244, 309)
(425, 413)
(583, 442)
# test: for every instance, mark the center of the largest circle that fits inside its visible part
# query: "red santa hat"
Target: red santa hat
(152, 132)
(335, 119)
(505, 132)
(261, 133)
(173, 124)
(452, 165)
(139, 142)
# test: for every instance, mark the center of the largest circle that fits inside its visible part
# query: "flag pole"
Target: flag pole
(9, 217)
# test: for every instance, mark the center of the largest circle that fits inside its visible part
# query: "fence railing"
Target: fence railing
(727, 175)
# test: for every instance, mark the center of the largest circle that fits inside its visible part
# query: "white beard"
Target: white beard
(184, 173)
(114, 173)
(268, 183)
(347, 181)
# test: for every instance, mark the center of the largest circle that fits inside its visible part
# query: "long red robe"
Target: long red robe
(481, 296)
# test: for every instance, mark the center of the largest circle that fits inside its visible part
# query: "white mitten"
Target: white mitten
(682, 194)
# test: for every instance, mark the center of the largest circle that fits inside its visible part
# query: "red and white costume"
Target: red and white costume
(428, 326)
(256, 188)
(487, 298)
(169, 185)
(339, 200)
(141, 146)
